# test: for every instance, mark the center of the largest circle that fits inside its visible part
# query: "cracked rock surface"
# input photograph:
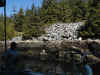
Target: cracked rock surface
(60, 31)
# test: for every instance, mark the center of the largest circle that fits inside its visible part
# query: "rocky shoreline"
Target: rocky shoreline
(87, 46)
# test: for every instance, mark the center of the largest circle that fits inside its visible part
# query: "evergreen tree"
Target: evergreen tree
(79, 10)
(19, 21)
(65, 11)
(92, 26)
(1, 28)
(33, 25)
(49, 11)
(10, 28)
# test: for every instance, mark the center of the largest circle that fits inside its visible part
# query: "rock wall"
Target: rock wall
(83, 44)
(90, 47)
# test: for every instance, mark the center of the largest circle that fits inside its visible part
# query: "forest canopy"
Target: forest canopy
(32, 22)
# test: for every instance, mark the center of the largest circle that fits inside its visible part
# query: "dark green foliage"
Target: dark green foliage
(92, 26)
(79, 10)
(32, 24)
(56, 11)
(48, 12)
(19, 21)
(10, 28)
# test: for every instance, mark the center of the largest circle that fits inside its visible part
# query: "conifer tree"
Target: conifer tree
(32, 24)
(19, 21)
(92, 26)
(10, 28)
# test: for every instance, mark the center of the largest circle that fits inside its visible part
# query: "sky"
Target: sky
(25, 4)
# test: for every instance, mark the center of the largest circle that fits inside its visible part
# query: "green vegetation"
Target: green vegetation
(92, 26)
(32, 22)
(10, 28)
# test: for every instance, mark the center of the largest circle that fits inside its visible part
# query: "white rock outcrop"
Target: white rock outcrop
(60, 31)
